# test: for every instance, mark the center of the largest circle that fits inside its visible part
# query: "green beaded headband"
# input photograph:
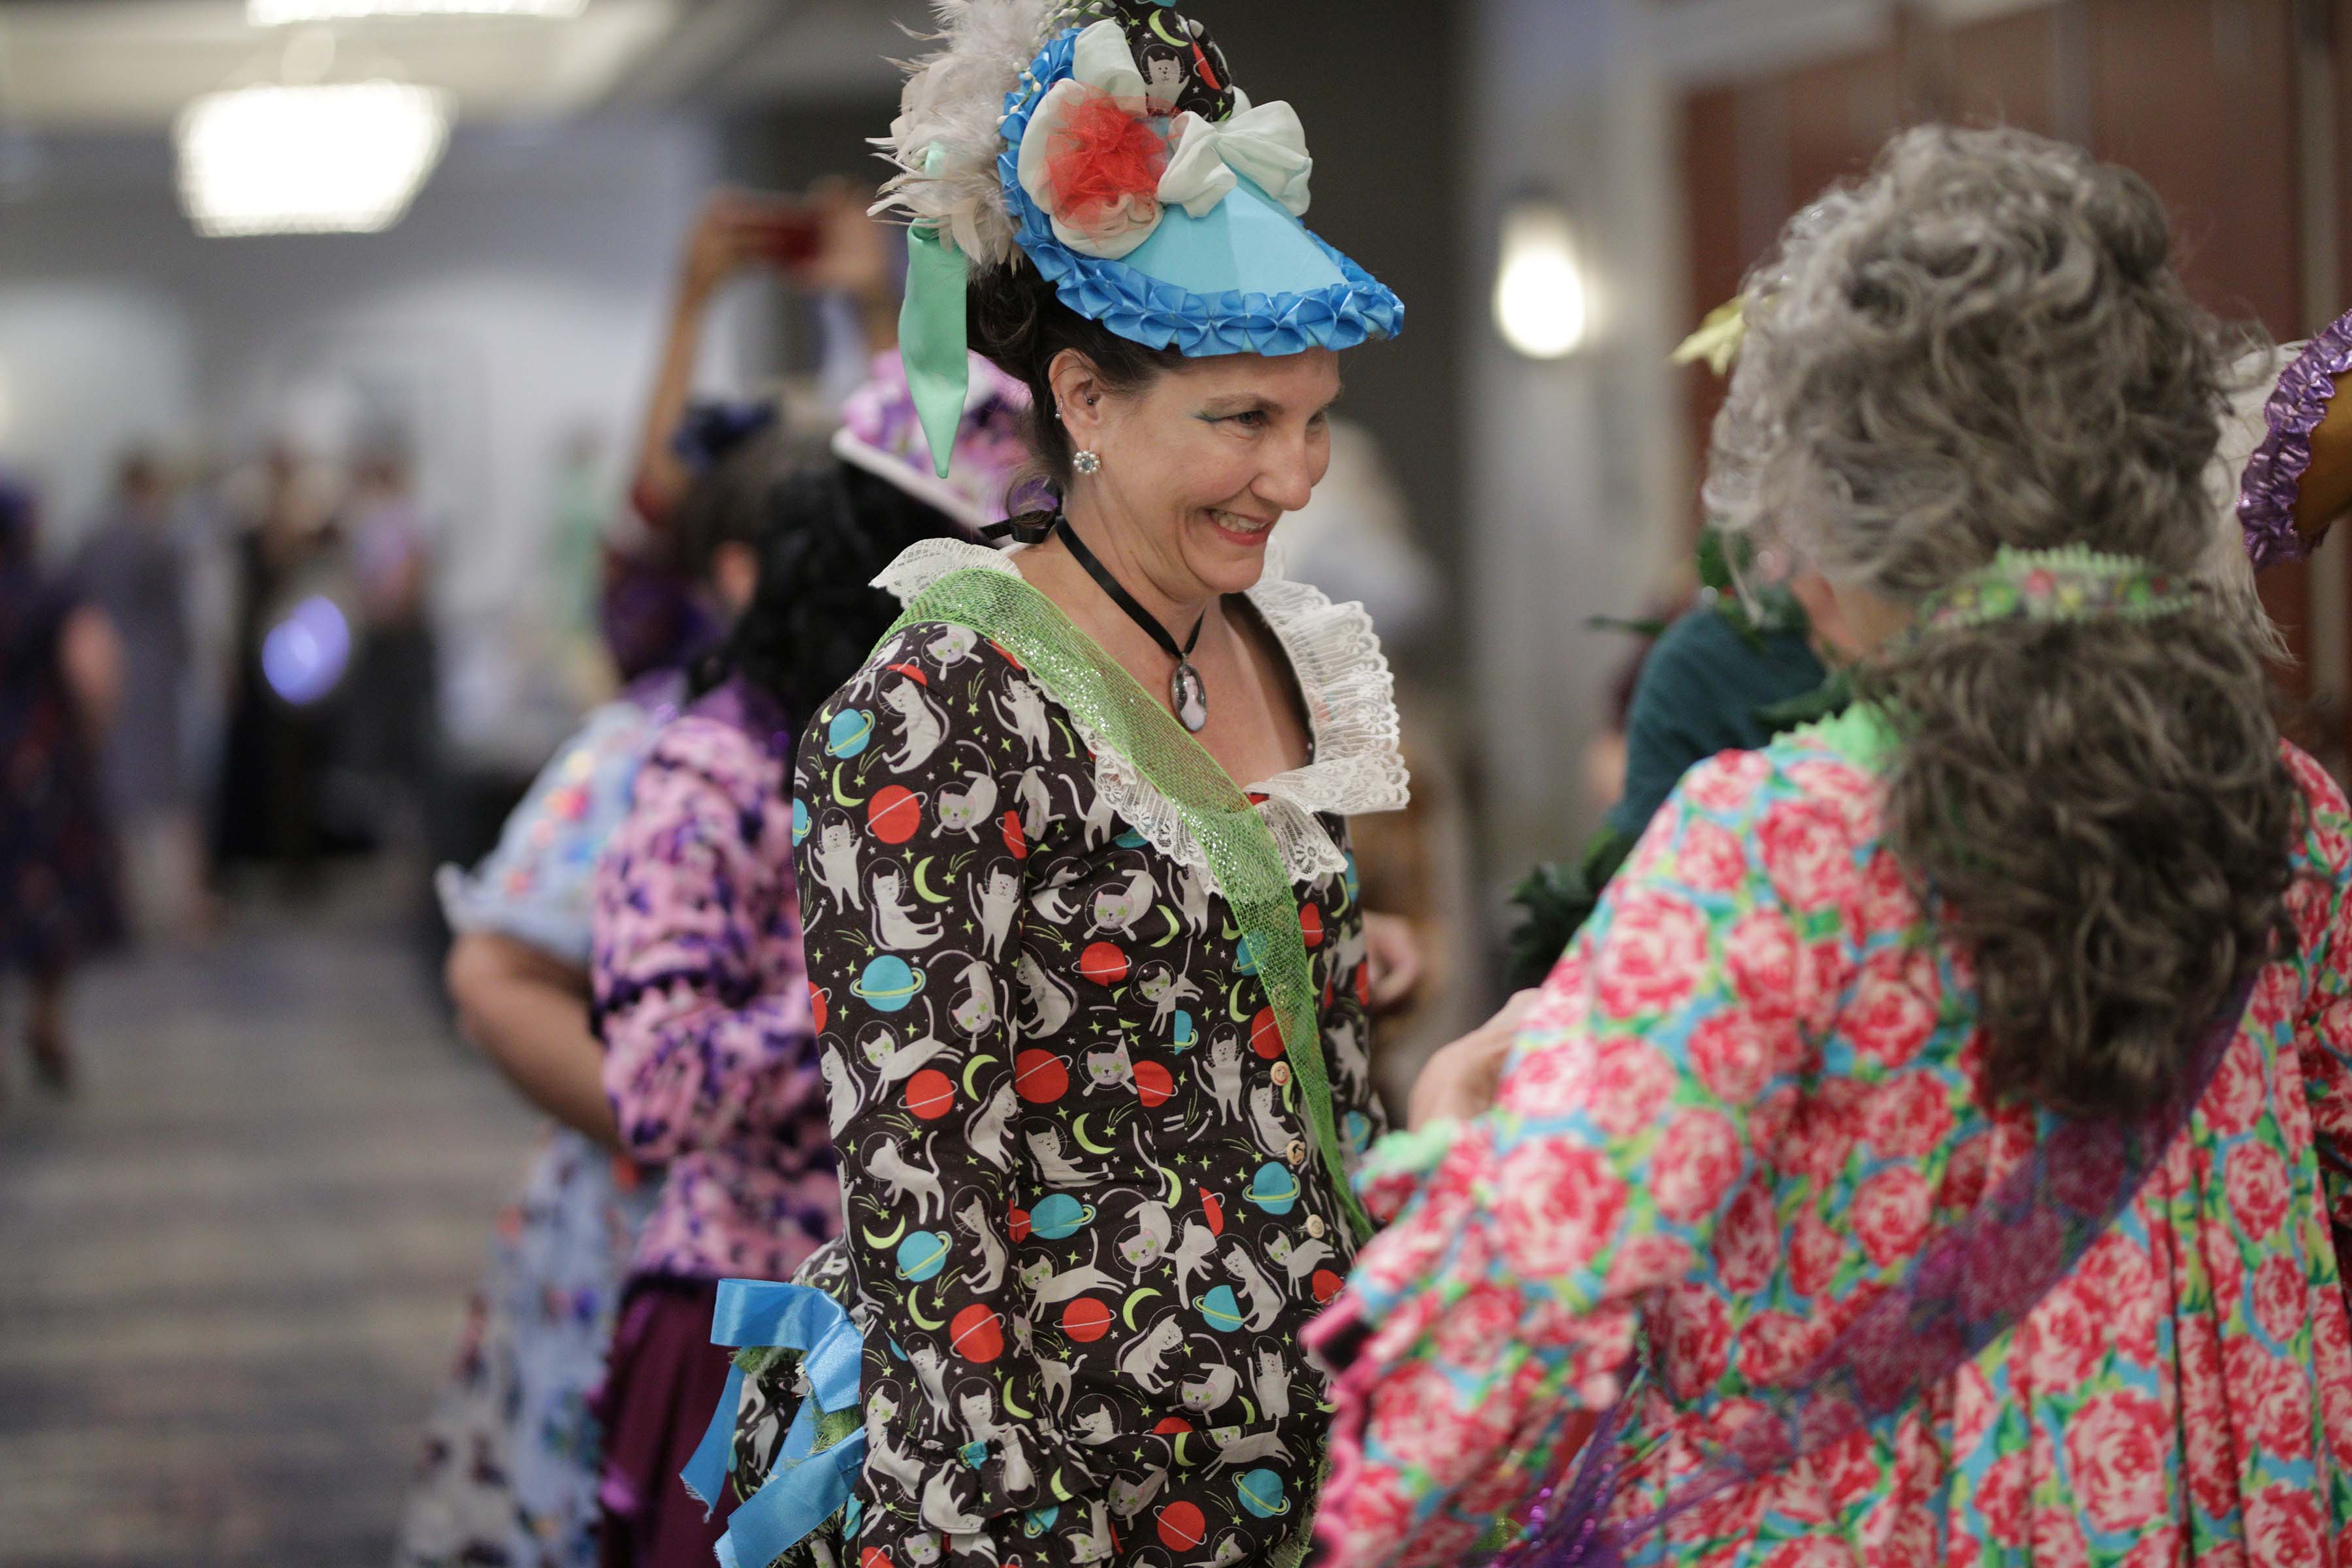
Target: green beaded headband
(2075, 583)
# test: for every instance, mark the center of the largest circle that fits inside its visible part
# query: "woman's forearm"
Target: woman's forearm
(528, 1012)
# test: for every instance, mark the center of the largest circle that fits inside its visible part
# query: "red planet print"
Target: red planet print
(1014, 844)
(895, 814)
(1265, 1035)
(875, 1557)
(1085, 1320)
(1103, 964)
(1364, 985)
(977, 1333)
(1154, 1084)
(1017, 1224)
(1310, 926)
(930, 1094)
(1181, 1528)
(1326, 1285)
(1040, 1077)
(1213, 1207)
(1170, 1426)
(817, 1008)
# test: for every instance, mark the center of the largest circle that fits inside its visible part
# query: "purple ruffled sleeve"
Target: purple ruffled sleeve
(2274, 475)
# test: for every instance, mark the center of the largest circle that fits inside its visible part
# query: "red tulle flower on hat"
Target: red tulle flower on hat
(1104, 164)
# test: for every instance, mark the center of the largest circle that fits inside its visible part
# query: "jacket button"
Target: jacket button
(1281, 1073)
(1298, 1152)
(1314, 1226)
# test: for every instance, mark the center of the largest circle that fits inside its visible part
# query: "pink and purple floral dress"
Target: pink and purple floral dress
(1748, 1097)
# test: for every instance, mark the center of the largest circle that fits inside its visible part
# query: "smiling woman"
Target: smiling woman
(1092, 1013)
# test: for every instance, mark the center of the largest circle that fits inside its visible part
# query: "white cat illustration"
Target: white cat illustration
(942, 1511)
(898, 927)
(1111, 1068)
(976, 1013)
(1224, 1071)
(1296, 1260)
(1191, 1256)
(837, 863)
(952, 646)
(994, 1257)
(931, 1371)
(1097, 1543)
(995, 898)
(1050, 1002)
(1054, 1380)
(989, 1127)
(1128, 1499)
(1145, 1361)
(1211, 1391)
(921, 726)
(1256, 1447)
(881, 1414)
(892, 1062)
(1055, 1168)
(1023, 708)
(1096, 818)
(1143, 1246)
(1117, 909)
(1270, 1383)
(906, 1179)
(1260, 1300)
(1166, 990)
(1036, 805)
(969, 809)
(1192, 897)
(1265, 1122)
(1048, 1286)
(840, 1091)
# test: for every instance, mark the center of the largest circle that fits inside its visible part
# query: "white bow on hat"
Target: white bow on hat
(1266, 143)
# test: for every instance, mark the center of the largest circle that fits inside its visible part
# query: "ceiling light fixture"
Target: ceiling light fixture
(307, 160)
(1540, 305)
(284, 13)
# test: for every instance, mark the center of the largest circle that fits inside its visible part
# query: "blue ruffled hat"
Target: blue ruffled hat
(1108, 143)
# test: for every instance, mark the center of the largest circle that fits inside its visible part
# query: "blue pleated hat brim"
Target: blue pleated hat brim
(1247, 279)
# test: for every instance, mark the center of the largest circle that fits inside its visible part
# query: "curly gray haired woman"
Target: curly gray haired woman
(1983, 346)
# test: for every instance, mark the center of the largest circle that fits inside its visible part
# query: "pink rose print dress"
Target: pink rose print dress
(1748, 1097)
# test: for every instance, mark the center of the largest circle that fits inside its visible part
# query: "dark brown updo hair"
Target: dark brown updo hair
(1019, 323)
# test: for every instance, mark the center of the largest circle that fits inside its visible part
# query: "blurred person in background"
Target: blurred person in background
(60, 679)
(393, 677)
(134, 567)
(702, 997)
(293, 650)
(513, 1453)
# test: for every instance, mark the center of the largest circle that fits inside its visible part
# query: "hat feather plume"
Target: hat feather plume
(953, 100)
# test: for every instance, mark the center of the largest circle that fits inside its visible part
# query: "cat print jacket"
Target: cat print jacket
(1084, 1206)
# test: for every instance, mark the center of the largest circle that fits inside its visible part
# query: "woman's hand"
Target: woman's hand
(1461, 1080)
(1392, 947)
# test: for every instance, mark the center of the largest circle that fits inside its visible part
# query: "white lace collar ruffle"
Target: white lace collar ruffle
(1350, 711)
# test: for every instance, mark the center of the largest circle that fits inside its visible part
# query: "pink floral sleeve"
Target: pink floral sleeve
(1666, 1049)
(701, 997)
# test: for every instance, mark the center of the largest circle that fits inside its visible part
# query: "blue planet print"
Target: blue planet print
(1245, 957)
(922, 1255)
(848, 734)
(1186, 1032)
(1059, 1214)
(1273, 1188)
(975, 1453)
(1038, 1520)
(800, 821)
(1261, 1493)
(1359, 1129)
(888, 985)
(1223, 1311)
(1355, 882)
(1131, 839)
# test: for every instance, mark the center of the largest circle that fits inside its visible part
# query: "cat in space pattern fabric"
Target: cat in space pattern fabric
(1086, 1212)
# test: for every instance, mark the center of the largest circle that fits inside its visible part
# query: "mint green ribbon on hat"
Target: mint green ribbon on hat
(931, 330)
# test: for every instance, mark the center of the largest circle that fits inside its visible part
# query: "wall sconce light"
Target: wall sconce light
(1540, 304)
